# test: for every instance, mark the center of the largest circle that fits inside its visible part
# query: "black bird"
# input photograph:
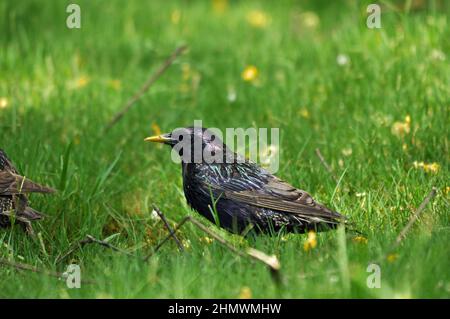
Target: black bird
(13, 199)
(238, 194)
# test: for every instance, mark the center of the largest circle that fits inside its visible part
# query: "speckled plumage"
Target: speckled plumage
(13, 199)
(245, 194)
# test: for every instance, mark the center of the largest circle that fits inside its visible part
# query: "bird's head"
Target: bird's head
(194, 144)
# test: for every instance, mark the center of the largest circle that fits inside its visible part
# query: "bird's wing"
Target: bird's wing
(8, 165)
(278, 195)
(13, 184)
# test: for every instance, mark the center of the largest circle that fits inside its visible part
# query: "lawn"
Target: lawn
(375, 102)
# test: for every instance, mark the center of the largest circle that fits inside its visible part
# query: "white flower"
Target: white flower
(342, 59)
(437, 55)
(231, 96)
(154, 215)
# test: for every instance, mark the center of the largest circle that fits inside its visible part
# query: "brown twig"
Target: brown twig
(152, 79)
(91, 240)
(415, 216)
(270, 261)
(166, 223)
(20, 266)
(155, 250)
(325, 164)
(411, 221)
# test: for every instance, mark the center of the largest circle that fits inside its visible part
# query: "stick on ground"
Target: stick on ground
(415, 216)
(411, 221)
(270, 261)
(152, 79)
(325, 164)
(166, 223)
(20, 266)
(91, 240)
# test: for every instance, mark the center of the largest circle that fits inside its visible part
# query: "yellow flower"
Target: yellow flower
(245, 293)
(3, 102)
(360, 239)
(82, 81)
(400, 129)
(207, 240)
(311, 241)
(175, 16)
(309, 19)
(392, 257)
(347, 151)
(428, 168)
(115, 84)
(433, 167)
(447, 190)
(186, 243)
(250, 73)
(219, 6)
(258, 19)
(304, 113)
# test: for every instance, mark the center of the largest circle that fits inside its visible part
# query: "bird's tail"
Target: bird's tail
(13, 184)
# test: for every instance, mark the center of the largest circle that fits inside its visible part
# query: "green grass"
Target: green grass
(52, 129)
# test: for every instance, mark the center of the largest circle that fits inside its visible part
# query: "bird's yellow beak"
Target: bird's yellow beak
(158, 139)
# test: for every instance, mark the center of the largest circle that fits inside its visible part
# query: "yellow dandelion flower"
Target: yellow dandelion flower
(392, 257)
(250, 73)
(175, 16)
(115, 84)
(82, 81)
(432, 168)
(245, 293)
(447, 190)
(258, 19)
(3, 102)
(207, 240)
(427, 168)
(408, 119)
(309, 19)
(304, 113)
(311, 241)
(360, 239)
(347, 151)
(400, 129)
(219, 6)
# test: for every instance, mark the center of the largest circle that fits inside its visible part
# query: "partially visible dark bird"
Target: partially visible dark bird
(238, 194)
(13, 198)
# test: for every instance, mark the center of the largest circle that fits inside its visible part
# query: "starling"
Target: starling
(13, 199)
(238, 194)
